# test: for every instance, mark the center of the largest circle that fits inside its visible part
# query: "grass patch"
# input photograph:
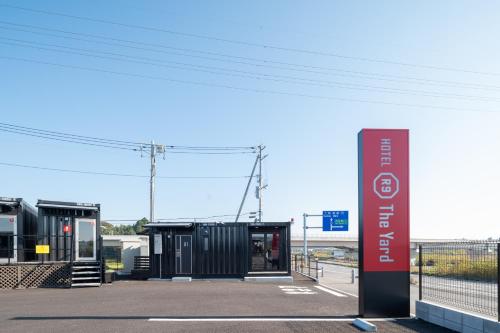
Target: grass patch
(460, 264)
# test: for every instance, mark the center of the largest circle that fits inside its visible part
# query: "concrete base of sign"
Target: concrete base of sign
(364, 325)
(384, 294)
(455, 319)
(271, 279)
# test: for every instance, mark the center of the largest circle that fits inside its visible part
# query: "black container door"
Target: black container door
(183, 254)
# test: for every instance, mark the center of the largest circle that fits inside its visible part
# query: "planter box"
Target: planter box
(109, 277)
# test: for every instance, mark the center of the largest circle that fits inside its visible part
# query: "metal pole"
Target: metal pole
(246, 190)
(260, 183)
(309, 265)
(317, 267)
(305, 234)
(152, 183)
(352, 276)
(498, 281)
(420, 272)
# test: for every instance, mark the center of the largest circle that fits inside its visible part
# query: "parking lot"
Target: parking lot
(208, 305)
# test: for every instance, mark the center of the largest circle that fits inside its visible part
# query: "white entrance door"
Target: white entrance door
(85, 239)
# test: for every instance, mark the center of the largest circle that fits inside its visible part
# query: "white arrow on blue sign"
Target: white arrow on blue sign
(336, 220)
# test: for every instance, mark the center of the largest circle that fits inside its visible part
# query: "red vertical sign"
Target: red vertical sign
(385, 200)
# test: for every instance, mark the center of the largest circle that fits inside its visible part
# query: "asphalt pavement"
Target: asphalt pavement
(470, 295)
(198, 306)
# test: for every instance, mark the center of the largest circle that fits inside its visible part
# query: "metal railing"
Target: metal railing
(22, 248)
(112, 258)
(313, 267)
(303, 265)
(461, 275)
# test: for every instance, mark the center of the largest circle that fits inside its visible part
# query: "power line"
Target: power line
(109, 143)
(116, 174)
(210, 147)
(259, 76)
(266, 62)
(260, 91)
(72, 136)
(179, 218)
(244, 43)
(64, 140)
(211, 153)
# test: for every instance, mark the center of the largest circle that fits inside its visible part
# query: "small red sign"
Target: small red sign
(385, 200)
(67, 228)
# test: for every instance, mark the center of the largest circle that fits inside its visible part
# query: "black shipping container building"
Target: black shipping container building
(72, 231)
(18, 228)
(210, 250)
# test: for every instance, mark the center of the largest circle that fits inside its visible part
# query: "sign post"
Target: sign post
(158, 247)
(384, 236)
(336, 220)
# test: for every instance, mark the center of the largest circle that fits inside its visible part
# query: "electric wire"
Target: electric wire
(109, 143)
(258, 76)
(64, 140)
(116, 174)
(180, 218)
(253, 90)
(323, 70)
(71, 136)
(245, 43)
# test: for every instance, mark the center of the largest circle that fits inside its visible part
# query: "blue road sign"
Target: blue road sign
(336, 220)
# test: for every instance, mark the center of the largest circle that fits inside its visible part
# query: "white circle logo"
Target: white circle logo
(386, 185)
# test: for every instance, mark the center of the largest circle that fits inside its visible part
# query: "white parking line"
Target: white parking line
(247, 319)
(345, 292)
(330, 291)
(243, 319)
(301, 293)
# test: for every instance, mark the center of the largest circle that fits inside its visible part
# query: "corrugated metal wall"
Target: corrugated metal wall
(220, 249)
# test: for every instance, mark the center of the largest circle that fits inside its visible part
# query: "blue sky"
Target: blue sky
(311, 141)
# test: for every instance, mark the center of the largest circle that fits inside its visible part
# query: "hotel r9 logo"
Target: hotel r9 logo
(386, 185)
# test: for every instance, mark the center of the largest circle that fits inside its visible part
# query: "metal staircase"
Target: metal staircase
(86, 274)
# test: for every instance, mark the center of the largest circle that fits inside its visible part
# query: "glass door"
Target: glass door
(85, 239)
(265, 251)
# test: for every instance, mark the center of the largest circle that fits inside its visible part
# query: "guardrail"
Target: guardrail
(463, 275)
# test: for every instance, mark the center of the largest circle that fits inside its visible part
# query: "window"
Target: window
(6, 245)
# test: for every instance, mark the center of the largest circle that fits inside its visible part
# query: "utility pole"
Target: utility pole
(154, 149)
(152, 183)
(260, 186)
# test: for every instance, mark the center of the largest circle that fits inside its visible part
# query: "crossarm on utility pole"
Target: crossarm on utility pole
(246, 190)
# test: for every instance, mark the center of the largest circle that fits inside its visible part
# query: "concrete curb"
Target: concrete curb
(455, 319)
(364, 325)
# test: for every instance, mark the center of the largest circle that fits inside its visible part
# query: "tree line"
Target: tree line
(123, 229)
